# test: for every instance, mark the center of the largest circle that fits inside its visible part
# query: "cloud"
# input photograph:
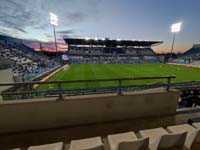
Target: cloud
(2, 33)
(66, 33)
(19, 29)
(76, 17)
(46, 45)
(15, 15)
(70, 31)
(28, 19)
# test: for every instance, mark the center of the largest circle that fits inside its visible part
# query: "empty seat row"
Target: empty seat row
(173, 137)
(53, 146)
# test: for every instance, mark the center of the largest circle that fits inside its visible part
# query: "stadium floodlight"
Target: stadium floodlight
(53, 19)
(175, 28)
(86, 38)
(103, 39)
(96, 39)
(118, 40)
(54, 22)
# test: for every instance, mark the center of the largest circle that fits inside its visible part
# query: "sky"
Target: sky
(116, 19)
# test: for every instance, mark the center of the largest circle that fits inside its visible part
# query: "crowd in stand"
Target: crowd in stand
(190, 60)
(106, 55)
(190, 57)
(25, 62)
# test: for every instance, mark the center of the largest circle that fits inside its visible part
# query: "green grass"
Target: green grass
(103, 71)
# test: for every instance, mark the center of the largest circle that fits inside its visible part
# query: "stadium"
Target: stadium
(93, 68)
(95, 93)
(120, 58)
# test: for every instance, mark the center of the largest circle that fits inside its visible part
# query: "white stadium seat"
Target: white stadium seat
(196, 125)
(127, 141)
(87, 144)
(192, 133)
(54, 146)
(160, 139)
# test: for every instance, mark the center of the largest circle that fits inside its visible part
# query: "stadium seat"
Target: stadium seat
(127, 141)
(108, 55)
(54, 146)
(87, 144)
(192, 134)
(196, 125)
(25, 60)
(197, 139)
(160, 139)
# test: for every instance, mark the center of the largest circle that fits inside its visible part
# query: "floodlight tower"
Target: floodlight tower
(54, 22)
(175, 28)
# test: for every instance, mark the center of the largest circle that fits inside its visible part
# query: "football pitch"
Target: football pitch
(105, 71)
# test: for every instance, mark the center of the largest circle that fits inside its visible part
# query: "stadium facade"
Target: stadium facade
(111, 51)
(26, 63)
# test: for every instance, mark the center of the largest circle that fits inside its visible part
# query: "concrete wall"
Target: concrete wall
(49, 113)
(5, 76)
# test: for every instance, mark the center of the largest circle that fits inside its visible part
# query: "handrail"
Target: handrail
(82, 81)
(27, 88)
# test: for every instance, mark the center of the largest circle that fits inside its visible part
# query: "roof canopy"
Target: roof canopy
(111, 43)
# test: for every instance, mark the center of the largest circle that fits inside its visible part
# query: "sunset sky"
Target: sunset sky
(124, 19)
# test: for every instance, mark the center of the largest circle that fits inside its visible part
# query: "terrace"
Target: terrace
(39, 121)
(66, 115)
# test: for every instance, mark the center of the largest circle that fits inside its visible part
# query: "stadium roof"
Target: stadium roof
(111, 43)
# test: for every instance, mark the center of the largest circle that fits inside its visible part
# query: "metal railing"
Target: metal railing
(23, 90)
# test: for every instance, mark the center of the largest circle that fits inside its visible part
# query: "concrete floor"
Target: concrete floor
(66, 134)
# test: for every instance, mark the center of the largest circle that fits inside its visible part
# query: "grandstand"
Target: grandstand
(190, 57)
(91, 51)
(59, 91)
(99, 101)
(195, 50)
(27, 64)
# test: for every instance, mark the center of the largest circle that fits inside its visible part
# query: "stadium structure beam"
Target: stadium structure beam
(173, 44)
(108, 42)
(54, 30)
(54, 22)
(175, 28)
